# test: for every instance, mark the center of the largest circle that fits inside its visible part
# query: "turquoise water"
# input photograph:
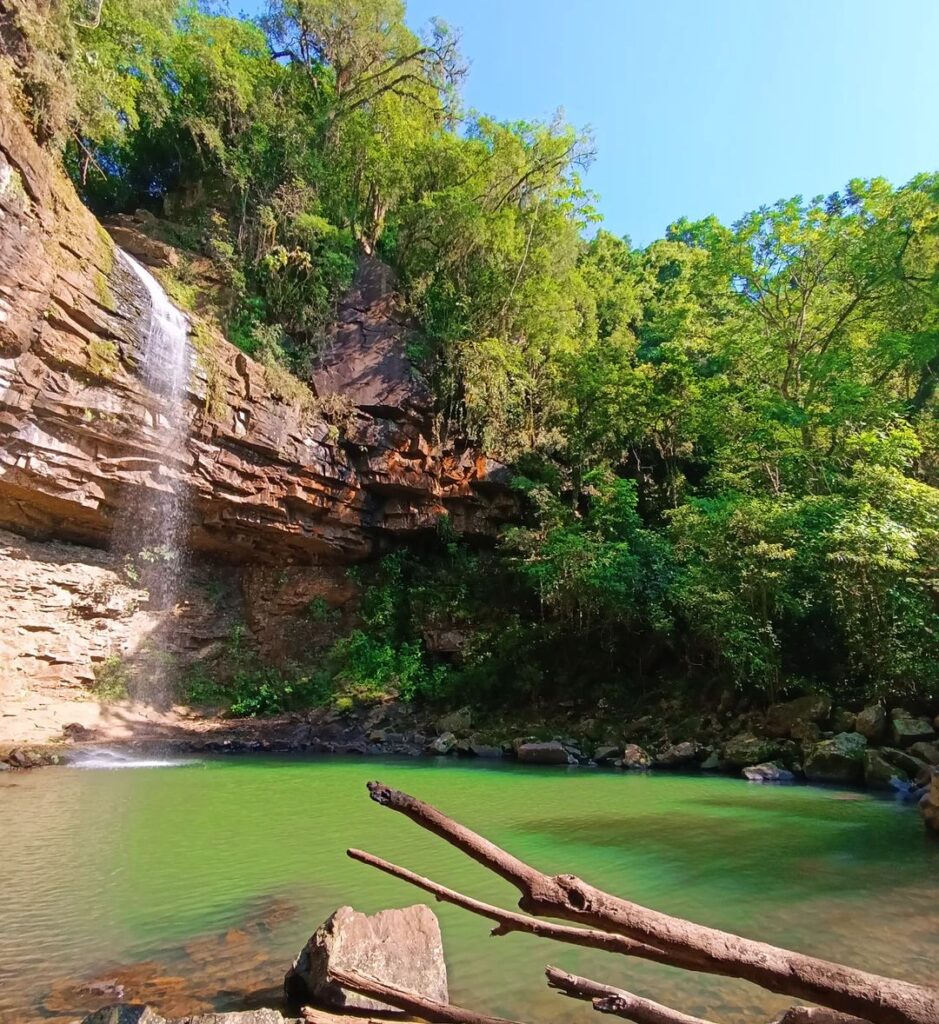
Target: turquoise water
(193, 887)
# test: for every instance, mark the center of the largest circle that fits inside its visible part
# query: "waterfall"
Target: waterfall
(152, 527)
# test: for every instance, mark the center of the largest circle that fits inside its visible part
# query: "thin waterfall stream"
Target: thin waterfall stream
(153, 524)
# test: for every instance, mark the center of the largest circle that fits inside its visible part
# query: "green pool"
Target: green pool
(194, 886)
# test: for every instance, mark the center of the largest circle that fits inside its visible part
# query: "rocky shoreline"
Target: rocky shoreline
(806, 739)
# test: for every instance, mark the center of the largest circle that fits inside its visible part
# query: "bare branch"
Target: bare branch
(617, 1001)
(508, 921)
(410, 1002)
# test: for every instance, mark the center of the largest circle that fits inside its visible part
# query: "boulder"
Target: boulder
(459, 722)
(767, 772)
(879, 773)
(262, 1016)
(485, 750)
(635, 758)
(711, 763)
(929, 802)
(843, 720)
(806, 732)
(906, 729)
(840, 759)
(745, 749)
(904, 760)
(679, 755)
(872, 723)
(551, 752)
(124, 1013)
(402, 948)
(780, 718)
(607, 755)
(928, 752)
(444, 744)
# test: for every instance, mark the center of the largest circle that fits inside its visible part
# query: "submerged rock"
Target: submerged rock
(840, 759)
(402, 948)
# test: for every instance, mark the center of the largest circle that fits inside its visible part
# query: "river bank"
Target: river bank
(808, 739)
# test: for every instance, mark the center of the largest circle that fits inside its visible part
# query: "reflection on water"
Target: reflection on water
(193, 889)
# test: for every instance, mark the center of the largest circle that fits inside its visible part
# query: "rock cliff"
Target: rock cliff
(278, 491)
(269, 478)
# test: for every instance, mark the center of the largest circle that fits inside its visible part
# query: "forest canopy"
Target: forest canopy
(727, 441)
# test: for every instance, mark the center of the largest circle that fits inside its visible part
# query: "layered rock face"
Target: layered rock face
(269, 479)
(274, 488)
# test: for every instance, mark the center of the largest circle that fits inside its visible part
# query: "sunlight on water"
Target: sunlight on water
(194, 888)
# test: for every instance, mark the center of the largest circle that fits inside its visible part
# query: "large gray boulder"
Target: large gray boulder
(552, 752)
(402, 948)
(767, 772)
(904, 760)
(780, 718)
(879, 773)
(745, 749)
(906, 729)
(872, 723)
(840, 759)
(929, 752)
(680, 755)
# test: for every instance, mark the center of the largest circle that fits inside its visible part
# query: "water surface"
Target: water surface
(195, 886)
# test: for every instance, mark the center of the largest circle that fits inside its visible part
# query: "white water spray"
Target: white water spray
(110, 760)
(154, 522)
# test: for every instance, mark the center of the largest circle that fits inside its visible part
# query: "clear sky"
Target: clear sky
(711, 106)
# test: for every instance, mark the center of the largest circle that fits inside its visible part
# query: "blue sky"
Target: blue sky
(711, 106)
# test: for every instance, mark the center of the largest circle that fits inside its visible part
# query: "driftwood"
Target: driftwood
(617, 1001)
(841, 992)
(411, 1002)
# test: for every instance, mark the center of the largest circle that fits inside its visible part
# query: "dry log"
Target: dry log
(617, 1001)
(508, 921)
(844, 989)
(410, 1002)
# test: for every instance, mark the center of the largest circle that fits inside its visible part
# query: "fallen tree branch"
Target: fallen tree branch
(617, 1001)
(410, 1002)
(856, 993)
(508, 921)
(815, 1015)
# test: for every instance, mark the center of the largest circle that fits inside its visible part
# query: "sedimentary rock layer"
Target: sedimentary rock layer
(269, 479)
